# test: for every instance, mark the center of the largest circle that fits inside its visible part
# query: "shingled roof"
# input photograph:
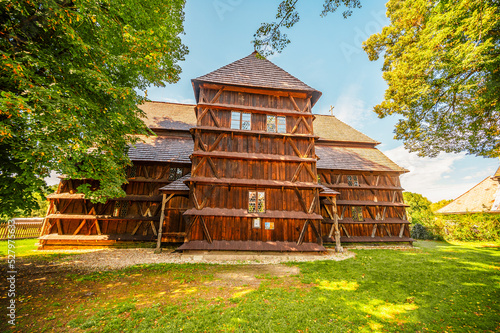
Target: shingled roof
(497, 174)
(332, 129)
(170, 116)
(177, 185)
(162, 149)
(354, 158)
(253, 71)
(480, 198)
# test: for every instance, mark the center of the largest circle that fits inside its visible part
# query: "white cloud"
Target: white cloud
(350, 108)
(431, 177)
(178, 100)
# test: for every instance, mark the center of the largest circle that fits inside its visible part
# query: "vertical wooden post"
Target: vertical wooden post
(162, 216)
(338, 247)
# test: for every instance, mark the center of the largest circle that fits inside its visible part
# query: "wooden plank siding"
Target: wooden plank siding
(379, 194)
(227, 164)
(135, 216)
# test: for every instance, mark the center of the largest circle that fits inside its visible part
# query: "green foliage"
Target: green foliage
(39, 209)
(441, 61)
(435, 206)
(269, 39)
(469, 227)
(69, 72)
(434, 287)
(419, 210)
(419, 231)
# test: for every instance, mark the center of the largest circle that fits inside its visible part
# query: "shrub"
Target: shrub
(469, 227)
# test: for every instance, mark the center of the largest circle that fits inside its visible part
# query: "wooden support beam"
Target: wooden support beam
(153, 228)
(297, 123)
(193, 172)
(301, 200)
(297, 172)
(302, 233)
(295, 106)
(216, 97)
(79, 227)
(294, 147)
(136, 227)
(216, 121)
(59, 227)
(345, 231)
(213, 167)
(309, 128)
(203, 113)
(205, 230)
(221, 135)
(401, 230)
(200, 142)
(309, 148)
(310, 172)
(387, 230)
(374, 230)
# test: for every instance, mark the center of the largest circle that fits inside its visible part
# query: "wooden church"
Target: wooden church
(249, 167)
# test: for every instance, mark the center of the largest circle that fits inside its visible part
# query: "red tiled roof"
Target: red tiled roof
(350, 158)
(162, 149)
(256, 72)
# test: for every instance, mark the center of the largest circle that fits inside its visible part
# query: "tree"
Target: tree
(419, 210)
(70, 75)
(269, 38)
(441, 63)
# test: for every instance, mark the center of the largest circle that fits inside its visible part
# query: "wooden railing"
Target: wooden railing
(25, 228)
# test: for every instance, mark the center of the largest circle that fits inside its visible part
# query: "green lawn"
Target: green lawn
(436, 287)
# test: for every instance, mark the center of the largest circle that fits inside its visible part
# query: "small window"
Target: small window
(271, 124)
(357, 214)
(281, 124)
(256, 202)
(319, 179)
(276, 124)
(352, 181)
(124, 209)
(241, 120)
(175, 173)
(246, 121)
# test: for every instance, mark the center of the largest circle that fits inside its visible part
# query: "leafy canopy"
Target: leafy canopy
(69, 72)
(269, 38)
(419, 210)
(442, 66)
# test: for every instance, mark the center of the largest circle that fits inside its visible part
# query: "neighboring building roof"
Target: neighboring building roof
(353, 158)
(497, 174)
(480, 198)
(253, 71)
(177, 185)
(171, 116)
(162, 149)
(332, 129)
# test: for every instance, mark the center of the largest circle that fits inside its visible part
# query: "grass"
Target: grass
(435, 287)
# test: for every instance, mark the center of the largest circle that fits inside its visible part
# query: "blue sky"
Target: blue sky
(326, 54)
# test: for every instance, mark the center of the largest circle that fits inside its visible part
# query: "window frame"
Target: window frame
(240, 120)
(352, 180)
(357, 213)
(173, 176)
(276, 124)
(260, 199)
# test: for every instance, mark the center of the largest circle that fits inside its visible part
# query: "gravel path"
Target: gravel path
(107, 259)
